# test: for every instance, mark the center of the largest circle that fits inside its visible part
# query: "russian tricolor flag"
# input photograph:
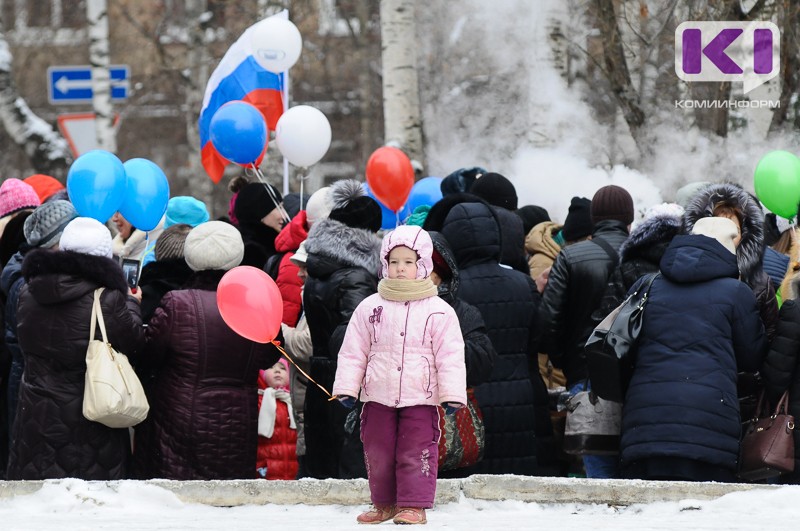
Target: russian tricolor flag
(239, 77)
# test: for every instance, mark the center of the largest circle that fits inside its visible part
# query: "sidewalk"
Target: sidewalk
(480, 487)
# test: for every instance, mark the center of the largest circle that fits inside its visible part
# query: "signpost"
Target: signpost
(73, 84)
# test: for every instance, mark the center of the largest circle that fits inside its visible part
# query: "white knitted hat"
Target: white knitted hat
(721, 229)
(319, 206)
(87, 236)
(213, 245)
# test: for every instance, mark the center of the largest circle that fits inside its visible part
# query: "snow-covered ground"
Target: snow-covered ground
(76, 505)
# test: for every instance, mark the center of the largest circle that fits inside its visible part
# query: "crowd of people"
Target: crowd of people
(473, 292)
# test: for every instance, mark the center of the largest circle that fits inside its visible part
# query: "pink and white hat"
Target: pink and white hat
(16, 195)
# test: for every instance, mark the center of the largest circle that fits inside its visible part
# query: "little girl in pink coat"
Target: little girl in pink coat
(404, 353)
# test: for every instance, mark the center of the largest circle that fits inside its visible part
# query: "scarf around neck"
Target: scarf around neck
(406, 290)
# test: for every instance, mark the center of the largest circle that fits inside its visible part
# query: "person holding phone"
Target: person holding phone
(131, 242)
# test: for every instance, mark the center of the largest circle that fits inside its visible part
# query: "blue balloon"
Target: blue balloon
(146, 196)
(426, 191)
(239, 132)
(96, 184)
(388, 216)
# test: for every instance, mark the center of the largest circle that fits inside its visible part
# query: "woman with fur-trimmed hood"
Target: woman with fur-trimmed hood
(343, 267)
(731, 201)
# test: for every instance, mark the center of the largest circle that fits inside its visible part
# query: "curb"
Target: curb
(543, 490)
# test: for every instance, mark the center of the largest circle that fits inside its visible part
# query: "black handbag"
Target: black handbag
(609, 351)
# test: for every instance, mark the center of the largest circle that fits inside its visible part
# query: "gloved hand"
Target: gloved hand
(451, 407)
(347, 401)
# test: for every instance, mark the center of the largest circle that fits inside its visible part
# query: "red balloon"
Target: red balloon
(390, 176)
(250, 303)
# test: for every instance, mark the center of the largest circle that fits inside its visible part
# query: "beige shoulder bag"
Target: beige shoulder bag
(113, 394)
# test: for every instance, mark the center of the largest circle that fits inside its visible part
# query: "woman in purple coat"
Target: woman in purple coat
(203, 421)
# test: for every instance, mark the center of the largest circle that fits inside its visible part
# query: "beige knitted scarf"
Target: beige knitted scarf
(406, 290)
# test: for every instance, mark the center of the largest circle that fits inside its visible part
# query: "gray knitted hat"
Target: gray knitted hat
(43, 228)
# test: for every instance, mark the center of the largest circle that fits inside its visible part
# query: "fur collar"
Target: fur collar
(346, 245)
(98, 270)
(649, 233)
(751, 250)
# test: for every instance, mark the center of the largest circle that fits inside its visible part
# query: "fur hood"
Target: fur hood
(56, 276)
(659, 229)
(751, 249)
(345, 245)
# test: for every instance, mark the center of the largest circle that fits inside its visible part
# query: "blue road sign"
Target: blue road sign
(73, 84)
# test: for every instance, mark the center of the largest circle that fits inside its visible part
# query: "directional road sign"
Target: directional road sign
(73, 84)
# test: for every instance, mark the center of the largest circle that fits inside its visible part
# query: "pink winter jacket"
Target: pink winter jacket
(403, 354)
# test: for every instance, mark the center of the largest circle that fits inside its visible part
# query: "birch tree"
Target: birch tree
(401, 106)
(46, 148)
(99, 58)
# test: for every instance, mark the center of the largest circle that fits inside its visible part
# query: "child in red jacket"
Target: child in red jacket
(277, 432)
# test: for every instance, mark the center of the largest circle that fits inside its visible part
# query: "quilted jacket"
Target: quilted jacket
(51, 438)
(203, 418)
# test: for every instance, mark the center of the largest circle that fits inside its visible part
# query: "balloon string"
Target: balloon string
(310, 379)
(397, 219)
(271, 193)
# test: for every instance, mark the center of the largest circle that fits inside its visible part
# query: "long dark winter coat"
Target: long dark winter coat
(159, 278)
(750, 252)
(11, 282)
(343, 267)
(203, 421)
(574, 290)
(52, 439)
(780, 372)
(701, 325)
(479, 353)
(508, 301)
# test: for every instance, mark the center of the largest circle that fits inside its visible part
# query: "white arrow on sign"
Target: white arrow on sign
(64, 84)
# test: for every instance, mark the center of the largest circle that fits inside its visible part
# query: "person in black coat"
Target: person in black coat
(780, 371)
(701, 324)
(168, 272)
(260, 215)
(51, 437)
(343, 266)
(507, 301)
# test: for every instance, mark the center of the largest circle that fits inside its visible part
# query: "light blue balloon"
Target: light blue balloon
(239, 132)
(388, 216)
(146, 196)
(96, 184)
(426, 191)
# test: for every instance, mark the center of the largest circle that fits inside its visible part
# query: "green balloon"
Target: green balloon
(777, 182)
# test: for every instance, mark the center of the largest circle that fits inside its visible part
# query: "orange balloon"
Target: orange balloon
(250, 303)
(390, 176)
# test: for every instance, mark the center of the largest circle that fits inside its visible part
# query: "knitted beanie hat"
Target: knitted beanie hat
(16, 195)
(612, 202)
(170, 243)
(213, 245)
(44, 185)
(319, 206)
(254, 202)
(87, 236)
(531, 215)
(353, 208)
(578, 223)
(496, 190)
(721, 229)
(185, 209)
(43, 228)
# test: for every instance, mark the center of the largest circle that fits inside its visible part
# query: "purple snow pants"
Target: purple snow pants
(401, 452)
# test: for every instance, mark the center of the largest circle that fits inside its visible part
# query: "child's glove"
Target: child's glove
(451, 407)
(347, 401)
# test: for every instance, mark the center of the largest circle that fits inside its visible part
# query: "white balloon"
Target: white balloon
(276, 44)
(303, 135)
